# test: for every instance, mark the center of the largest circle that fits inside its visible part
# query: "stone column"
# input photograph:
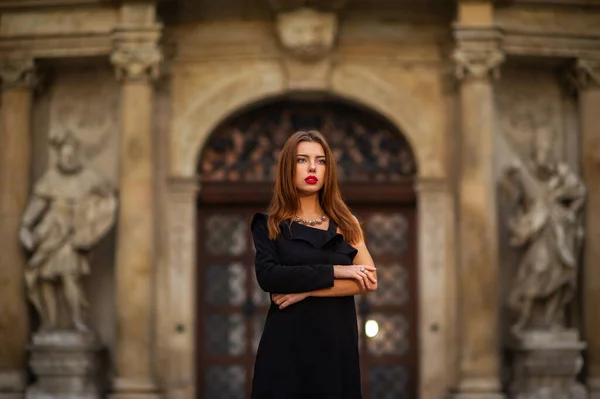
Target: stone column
(18, 80)
(435, 268)
(588, 81)
(136, 58)
(181, 214)
(477, 60)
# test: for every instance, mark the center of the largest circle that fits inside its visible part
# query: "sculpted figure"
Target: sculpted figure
(71, 209)
(548, 198)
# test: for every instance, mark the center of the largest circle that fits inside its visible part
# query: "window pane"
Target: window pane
(225, 234)
(388, 382)
(387, 233)
(225, 284)
(392, 285)
(224, 382)
(392, 337)
(224, 334)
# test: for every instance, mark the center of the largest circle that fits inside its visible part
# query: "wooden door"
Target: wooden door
(232, 308)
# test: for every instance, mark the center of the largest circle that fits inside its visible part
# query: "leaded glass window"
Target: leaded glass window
(365, 147)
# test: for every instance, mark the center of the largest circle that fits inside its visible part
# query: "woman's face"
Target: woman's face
(310, 167)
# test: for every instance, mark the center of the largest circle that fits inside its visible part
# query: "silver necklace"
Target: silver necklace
(311, 222)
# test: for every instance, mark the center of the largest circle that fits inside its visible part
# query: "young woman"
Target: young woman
(311, 257)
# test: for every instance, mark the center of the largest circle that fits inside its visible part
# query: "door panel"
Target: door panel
(389, 357)
(231, 306)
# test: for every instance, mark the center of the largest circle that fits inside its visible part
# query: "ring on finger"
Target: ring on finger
(362, 269)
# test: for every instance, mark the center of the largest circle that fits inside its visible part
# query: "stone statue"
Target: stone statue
(307, 34)
(70, 210)
(548, 198)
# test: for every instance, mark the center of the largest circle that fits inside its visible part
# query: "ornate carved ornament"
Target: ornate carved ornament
(323, 5)
(587, 73)
(477, 64)
(307, 34)
(136, 54)
(17, 73)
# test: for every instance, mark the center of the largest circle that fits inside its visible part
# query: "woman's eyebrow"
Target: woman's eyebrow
(304, 155)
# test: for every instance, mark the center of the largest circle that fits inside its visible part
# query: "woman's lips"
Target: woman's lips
(311, 180)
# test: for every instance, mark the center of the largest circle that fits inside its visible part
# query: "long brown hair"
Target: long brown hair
(285, 202)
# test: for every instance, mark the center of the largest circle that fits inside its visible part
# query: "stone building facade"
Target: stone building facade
(179, 105)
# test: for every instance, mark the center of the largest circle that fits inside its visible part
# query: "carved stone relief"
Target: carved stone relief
(529, 105)
(86, 103)
(307, 34)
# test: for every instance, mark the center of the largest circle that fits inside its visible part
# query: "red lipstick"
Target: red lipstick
(311, 180)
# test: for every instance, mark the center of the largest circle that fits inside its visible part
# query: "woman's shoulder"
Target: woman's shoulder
(259, 219)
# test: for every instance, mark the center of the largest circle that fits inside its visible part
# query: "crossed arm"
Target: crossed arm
(293, 284)
(348, 280)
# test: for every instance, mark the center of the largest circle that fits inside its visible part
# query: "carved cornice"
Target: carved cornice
(17, 4)
(586, 73)
(136, 54)
(18, 73)
(323, 5)
(477, 54)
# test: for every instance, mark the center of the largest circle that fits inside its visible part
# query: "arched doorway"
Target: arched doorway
(236, 170)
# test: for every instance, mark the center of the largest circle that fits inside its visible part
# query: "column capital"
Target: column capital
(136, 54)
(586, 73)
(481, 64)
(18, 73)
(478, 54)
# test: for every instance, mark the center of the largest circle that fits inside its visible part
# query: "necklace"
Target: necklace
(311, 222)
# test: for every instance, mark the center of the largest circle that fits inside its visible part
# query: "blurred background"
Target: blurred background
(138, 138)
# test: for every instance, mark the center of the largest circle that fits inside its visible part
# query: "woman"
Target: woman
(311, 257)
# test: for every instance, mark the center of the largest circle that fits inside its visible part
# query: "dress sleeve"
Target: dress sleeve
(276, 278)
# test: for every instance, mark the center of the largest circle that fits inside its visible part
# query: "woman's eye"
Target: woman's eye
(301, 160)
(322, 161)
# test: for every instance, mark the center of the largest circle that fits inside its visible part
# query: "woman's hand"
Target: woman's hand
(285, 300)
(360, 273)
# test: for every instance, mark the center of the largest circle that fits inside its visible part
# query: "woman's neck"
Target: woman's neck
(310, 207)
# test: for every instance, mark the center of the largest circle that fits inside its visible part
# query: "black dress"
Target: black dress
(308, 350)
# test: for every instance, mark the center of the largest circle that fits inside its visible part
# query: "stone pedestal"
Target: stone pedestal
(546, 365)
(66, 365)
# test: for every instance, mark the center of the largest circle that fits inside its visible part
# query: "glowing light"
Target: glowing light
(371, 328)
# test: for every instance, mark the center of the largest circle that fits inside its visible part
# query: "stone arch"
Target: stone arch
(203, 112)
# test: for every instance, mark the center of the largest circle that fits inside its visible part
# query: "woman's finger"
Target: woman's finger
(372, 278)
(366, 279)
(361, 281)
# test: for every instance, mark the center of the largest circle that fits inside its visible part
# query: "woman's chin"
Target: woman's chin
(308, 190)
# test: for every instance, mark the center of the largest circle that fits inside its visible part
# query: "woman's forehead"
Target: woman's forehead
(310, 148)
